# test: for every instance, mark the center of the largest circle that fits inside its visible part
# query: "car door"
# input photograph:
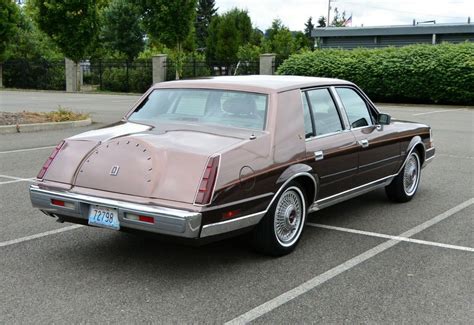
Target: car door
(331, 147)
(379, 154)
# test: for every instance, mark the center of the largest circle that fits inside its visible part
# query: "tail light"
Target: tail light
(206, 187)
(50, 160)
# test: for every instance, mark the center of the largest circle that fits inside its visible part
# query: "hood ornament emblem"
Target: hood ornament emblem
(114, 171)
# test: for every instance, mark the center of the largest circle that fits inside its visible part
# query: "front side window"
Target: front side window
(325, 115)
(204, 106)
(356, 108)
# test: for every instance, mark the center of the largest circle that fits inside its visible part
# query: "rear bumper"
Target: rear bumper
(167, 221)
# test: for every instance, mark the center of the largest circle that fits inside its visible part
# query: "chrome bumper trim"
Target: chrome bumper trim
(231, 225)
(168, 221)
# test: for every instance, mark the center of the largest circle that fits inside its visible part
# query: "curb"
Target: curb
(35, 127)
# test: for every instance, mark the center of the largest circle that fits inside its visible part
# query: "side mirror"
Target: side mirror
(384, 119)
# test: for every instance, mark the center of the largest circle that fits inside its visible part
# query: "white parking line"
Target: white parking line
(18, 180)
(43, 234)
(442, 111)
(454, 156)
(406, 239)
(30, 149)
(328, 275)
(15, 179)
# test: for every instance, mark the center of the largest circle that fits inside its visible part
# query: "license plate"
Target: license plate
(104, 217)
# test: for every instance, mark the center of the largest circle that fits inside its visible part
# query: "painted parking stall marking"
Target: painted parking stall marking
(399, 238)
(440, 111)
(40, 235)
(349, 264)
(24, 150)
(15, 179)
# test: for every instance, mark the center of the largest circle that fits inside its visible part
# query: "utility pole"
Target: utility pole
(328, 23)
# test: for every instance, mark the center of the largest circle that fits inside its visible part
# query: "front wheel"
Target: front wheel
(280, 229)
(404, 186)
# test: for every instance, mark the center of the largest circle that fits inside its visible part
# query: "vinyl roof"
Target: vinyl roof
(257, 83)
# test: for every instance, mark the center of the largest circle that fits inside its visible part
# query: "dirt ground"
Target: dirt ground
(7, 118)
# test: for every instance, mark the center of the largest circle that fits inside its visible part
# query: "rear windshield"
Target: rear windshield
(204, 106)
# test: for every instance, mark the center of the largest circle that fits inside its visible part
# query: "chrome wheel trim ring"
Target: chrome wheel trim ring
(289, 218)
(411, 174)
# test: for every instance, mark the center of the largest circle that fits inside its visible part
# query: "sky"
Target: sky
(294, 13)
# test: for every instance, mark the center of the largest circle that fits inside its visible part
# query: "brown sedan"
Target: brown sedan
(204, 158)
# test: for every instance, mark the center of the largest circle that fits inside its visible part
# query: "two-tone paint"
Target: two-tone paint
(160, 171)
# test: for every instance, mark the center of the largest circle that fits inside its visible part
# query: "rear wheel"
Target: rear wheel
(404, 186)
(280, 229)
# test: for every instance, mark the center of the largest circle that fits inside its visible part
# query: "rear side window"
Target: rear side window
(325, 114)
(356, 108)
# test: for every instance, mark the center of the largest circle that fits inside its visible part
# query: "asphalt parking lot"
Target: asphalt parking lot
(363, 261)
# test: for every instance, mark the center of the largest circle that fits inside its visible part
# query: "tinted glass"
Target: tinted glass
(204, 106)
(308, 126)
(355, 106)
(326, 117)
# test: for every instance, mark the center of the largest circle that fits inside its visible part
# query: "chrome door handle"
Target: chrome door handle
(318, 155)
(364, 143)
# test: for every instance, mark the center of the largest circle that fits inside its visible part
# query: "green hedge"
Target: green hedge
(34, 74)
(115, 79)
(441, 73)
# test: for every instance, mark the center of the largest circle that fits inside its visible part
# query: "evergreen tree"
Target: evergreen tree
(322, 21)
(309, 26)
(206, 10)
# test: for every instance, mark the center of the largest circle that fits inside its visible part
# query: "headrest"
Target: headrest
(240, 106)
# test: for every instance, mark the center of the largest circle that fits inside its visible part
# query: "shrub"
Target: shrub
(441, 73)
(115, 79)
(34, 74)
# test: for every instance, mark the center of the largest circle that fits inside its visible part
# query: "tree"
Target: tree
(71, 24)
(206, 10)
(279, 40)
(339, 20)
(9, 18)
(301, 42)
(322, 21)
(309, 26)
(31, 43)
(122, 30)
(170, 22)
(227, 33)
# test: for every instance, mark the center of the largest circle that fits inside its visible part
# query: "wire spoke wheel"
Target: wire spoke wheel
(411, 175)
(289, 217)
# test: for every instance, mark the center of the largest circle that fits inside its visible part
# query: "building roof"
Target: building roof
(256, 83)
(394, 30)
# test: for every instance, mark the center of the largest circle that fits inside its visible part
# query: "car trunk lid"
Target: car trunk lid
(166, 166)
